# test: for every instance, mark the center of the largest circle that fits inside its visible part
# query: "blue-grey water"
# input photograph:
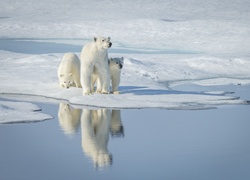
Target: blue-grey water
(129, 144)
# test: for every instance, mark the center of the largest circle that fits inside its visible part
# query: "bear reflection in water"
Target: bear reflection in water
(95, 128)
(69, 118)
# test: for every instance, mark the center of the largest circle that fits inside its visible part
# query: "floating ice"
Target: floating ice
(14, 112)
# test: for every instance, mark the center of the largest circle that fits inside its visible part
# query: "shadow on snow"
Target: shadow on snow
(143, 90)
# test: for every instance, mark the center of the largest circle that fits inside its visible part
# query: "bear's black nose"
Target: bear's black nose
(120, 66)
(110, 44)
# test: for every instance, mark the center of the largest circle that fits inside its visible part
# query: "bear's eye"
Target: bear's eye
(64, 81)
(117, 63)
(103, 40)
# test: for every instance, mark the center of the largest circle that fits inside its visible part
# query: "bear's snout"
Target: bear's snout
(110, 44)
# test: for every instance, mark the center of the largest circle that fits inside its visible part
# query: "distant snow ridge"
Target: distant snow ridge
(221, 66)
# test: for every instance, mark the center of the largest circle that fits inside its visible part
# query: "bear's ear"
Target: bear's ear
(109, 38)
(95, 39)
(61, 75)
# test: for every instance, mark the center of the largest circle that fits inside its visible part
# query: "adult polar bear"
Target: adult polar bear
(94, 60)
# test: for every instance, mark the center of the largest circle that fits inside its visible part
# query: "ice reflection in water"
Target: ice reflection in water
(96, 125)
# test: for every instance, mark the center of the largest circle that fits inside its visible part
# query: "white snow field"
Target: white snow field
(164, 43)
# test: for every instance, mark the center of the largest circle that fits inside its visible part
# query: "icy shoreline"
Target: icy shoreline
(17, 108)
(165, 45)
(21, 112)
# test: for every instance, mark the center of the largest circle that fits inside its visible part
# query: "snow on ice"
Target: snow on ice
(14, 112)
(165, 44)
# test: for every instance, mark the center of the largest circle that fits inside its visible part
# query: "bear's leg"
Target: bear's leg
(74, 84)
(86, 80)
(104, 77)
(115, 85)
(93, 81)
(116, 126)
(76, 76)
(77, 82)
(98, 86)
(78, 85)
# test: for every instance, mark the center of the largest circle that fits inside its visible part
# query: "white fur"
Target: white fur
(94, 60)
(69, 71)
(115, 66)
(69, 118)
(95, 126)
(116, 126)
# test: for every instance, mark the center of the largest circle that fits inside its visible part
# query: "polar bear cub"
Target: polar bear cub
(115, 66)
(69, 71)
(94, 60)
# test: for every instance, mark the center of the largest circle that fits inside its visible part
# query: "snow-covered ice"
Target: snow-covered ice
(13, 112)
(165, 44)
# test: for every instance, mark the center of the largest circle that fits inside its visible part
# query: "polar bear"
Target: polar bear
(115, 66)
(94, 59)
(69, 71)
(95, 126)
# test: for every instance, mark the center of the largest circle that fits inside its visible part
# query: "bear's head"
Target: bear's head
(66, 80)
(116, 63)
(102, 42)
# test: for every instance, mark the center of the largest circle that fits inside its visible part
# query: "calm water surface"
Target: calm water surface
(128, 144)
